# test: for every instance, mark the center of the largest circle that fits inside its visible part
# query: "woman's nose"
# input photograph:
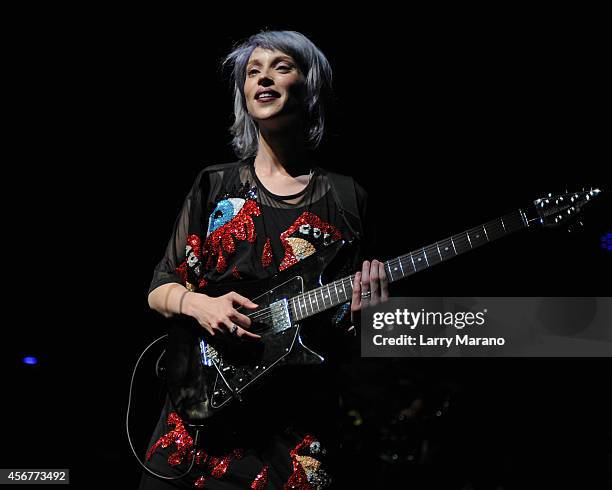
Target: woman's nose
(265, 80)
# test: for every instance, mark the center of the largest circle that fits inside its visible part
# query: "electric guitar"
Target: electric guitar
(204, 374)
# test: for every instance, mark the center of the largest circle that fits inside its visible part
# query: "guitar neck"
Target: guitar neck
(340, 291)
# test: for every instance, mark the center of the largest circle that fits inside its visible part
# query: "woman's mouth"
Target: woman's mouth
(266, 96)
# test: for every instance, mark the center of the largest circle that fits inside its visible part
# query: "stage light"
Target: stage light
(30, 360)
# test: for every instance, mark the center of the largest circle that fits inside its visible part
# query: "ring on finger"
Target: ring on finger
(234, 329)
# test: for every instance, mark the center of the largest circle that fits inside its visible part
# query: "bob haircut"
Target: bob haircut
(312, 63)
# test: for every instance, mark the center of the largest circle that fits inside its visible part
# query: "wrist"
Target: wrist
(184, 303)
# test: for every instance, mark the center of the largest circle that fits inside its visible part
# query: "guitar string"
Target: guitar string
(492, 226)
(263, 314)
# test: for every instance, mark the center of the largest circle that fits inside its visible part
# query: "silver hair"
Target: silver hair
(312, 63)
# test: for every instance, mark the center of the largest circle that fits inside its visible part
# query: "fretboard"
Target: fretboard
(340, 291)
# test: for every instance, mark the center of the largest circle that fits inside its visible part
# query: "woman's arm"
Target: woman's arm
(166, 299)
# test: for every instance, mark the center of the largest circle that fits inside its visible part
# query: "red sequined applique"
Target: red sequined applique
(266, 256)
(222, 240)
(219, 465)
(298, 479)
(261, 479)
(181, 270)
(192, 256)
(194, 242)
(178, 436)
(298, 248)
(236, 273)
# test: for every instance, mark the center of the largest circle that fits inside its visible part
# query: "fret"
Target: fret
(447, 249)
(468, 237)
(328, 294)
(503, 225)
(477, 236)
(321, 291)
(325, 294)
(495, 229)
(401, 267)
(343, 290)
(453, 242)
(390, 273)
(425, 255)
(413, 264)
(310, 301)
(420, 260)
(524, 218)
(438, 247)
(305, 306)
(485, 231)
(461, 243)
(336, 288)
(514, 221)
(317, 299)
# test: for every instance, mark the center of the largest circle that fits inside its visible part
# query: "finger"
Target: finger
(365, 276)
(242, 301)
(245, 333)
(374, 278)
(384, 283)
(240, 332)
(356, 299)
(242, 320)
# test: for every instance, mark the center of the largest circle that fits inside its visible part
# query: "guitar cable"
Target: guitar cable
(127, 420)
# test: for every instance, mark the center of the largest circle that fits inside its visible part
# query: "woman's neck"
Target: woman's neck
(282, 154)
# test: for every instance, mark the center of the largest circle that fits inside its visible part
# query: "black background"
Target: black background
(448, 119)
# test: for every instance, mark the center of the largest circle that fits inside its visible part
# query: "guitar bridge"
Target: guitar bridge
(281, 318)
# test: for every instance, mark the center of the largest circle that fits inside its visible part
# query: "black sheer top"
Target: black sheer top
(232, 228)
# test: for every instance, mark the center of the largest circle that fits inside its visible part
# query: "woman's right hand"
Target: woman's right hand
(219, 314)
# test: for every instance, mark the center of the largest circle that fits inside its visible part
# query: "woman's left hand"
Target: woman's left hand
(370, 287)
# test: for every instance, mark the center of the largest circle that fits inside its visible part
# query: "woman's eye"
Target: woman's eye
(251, 72)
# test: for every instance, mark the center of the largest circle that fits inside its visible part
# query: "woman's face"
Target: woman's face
(273, 87)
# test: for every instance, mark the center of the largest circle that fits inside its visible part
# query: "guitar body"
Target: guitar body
(205, 373)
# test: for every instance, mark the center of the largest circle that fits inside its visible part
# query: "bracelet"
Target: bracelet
(181, 302)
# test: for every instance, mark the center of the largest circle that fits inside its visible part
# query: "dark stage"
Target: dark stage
(446, 127)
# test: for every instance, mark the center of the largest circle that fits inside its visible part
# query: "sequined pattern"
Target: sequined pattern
(190, 265)
(178, 436)
(223, 240)
(266, 256)
(300, 240)
(217, 465)
(261, 479)
(308, 473)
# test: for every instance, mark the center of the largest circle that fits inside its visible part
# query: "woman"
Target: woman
(249, 220)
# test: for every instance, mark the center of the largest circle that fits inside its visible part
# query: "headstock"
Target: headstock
(559, 209)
